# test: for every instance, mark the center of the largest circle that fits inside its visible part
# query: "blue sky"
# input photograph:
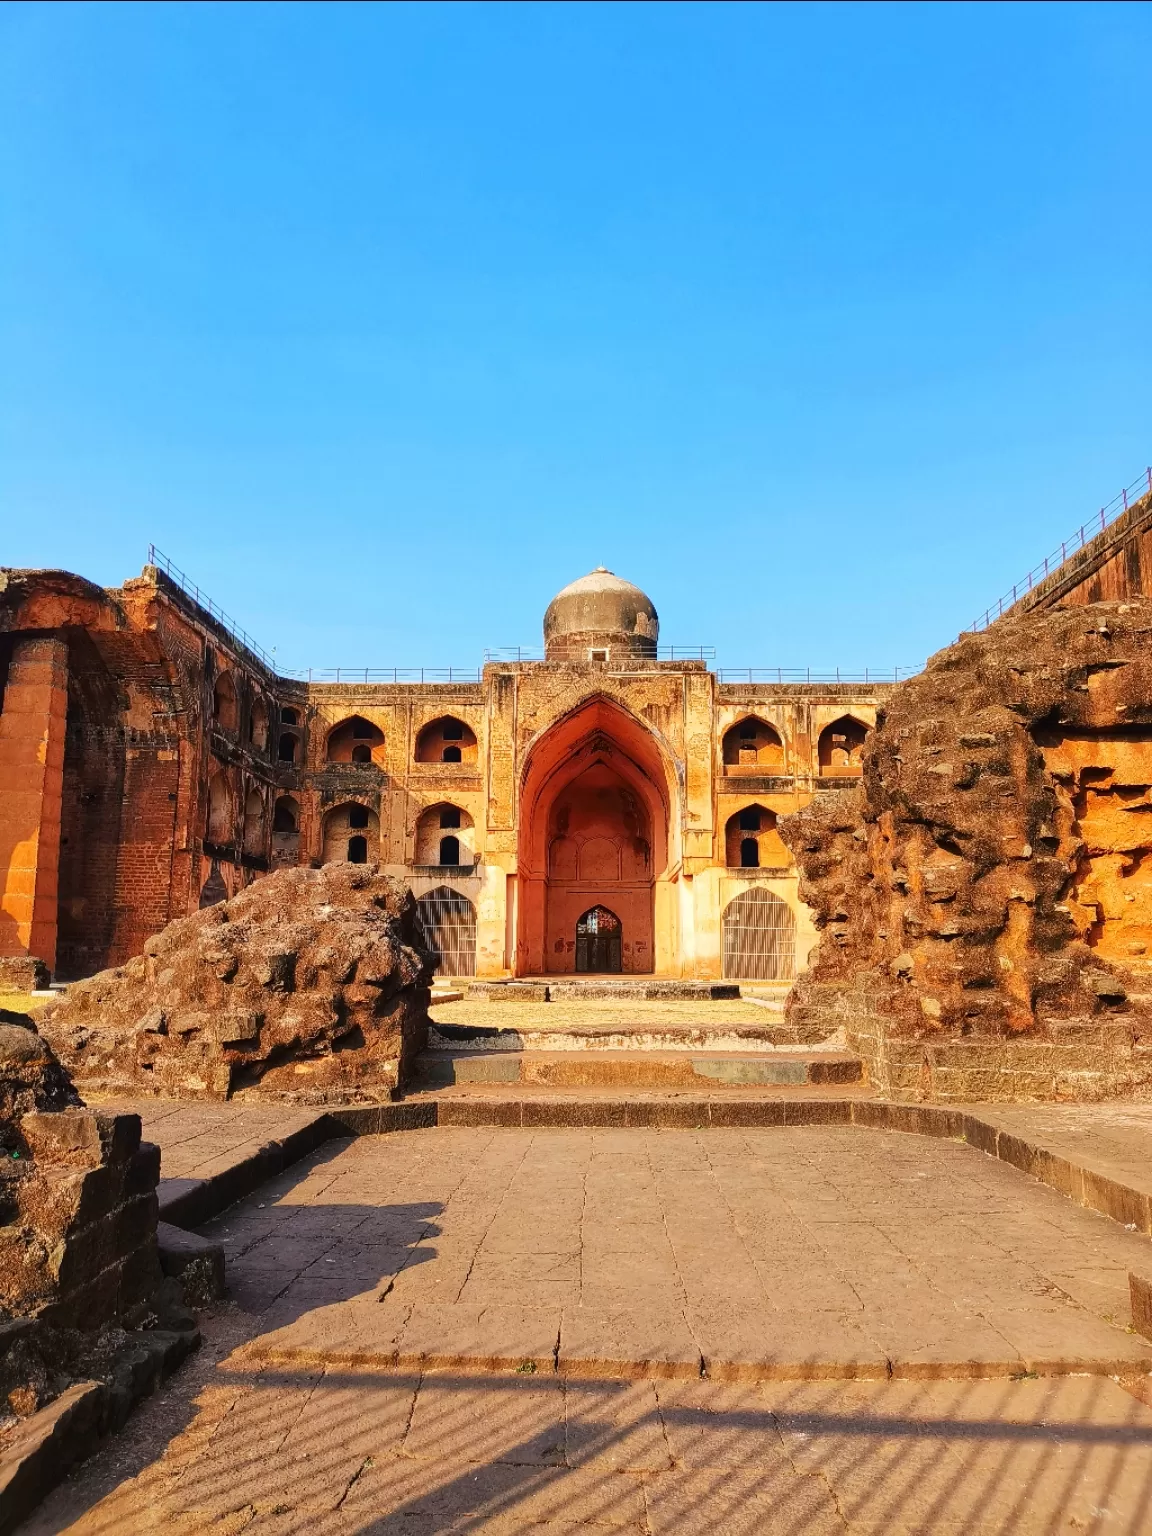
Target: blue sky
(820, 322)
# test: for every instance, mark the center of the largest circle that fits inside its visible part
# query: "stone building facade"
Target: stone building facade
(599, 809)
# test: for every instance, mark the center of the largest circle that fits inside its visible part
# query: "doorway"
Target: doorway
(598, 935)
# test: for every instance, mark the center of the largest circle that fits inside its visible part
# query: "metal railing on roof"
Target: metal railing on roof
(663, 653)
(1119, 504)
(806, 675)
(160, 560)
(351, 675)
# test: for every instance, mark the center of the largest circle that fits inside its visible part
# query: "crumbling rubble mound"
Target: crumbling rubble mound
(982, 897)
(310, 986)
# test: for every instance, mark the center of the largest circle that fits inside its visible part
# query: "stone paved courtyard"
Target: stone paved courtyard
(504, 1331)
(758, 1253)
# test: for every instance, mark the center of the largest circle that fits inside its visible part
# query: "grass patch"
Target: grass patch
(21, 1002)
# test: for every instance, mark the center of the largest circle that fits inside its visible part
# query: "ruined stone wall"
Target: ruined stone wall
(980, 897)
(113, 814)
(78, 1223)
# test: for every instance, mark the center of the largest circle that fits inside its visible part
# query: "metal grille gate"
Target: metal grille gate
(449, 920)
(759, 934)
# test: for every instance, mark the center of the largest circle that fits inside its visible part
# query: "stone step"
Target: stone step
(615, 988)
(622, 1035)
(638, 1069)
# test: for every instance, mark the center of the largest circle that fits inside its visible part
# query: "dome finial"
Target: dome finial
(600, 612)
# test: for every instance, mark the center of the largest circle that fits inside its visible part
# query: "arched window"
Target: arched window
(841, 746)
(449, 815)
(759, 937)
(753, 746)
(286, 749)
(289, 716)
(450, 850)
(449, 922)
(258, 726)
(357, 815)
(286, 815)
(225, 706)
(219, 810)
(446, 740)
(751, 840)
(357, 850)
(355, 740)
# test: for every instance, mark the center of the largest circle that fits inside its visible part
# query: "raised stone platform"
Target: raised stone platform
(621, 1068)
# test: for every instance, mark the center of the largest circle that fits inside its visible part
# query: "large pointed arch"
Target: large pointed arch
(597, 779)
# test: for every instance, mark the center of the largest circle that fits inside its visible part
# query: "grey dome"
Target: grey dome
(601, 610)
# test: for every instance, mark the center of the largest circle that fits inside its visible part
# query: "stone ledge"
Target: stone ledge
(67, 1430)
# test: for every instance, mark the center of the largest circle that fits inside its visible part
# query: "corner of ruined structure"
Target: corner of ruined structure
(985, 931)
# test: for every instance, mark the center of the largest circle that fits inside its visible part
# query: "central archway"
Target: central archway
(595, 816)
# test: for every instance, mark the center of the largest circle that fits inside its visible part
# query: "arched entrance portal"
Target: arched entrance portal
(595, 812)
(598, 941)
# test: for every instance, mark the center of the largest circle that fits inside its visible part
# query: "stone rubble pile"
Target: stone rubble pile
(310, 986)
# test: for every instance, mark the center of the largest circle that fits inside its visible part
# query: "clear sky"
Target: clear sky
(820, 322)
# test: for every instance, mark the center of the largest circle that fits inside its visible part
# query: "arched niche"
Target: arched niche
(840, 749)
(446, 740)
(751, 840)
(225, 703)
(597, 827)
(258, 726)
(351, 832)
(285, 831)
(752, 746)
(355, 740)
(255, 823)
(219, 823)
(438, 825)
